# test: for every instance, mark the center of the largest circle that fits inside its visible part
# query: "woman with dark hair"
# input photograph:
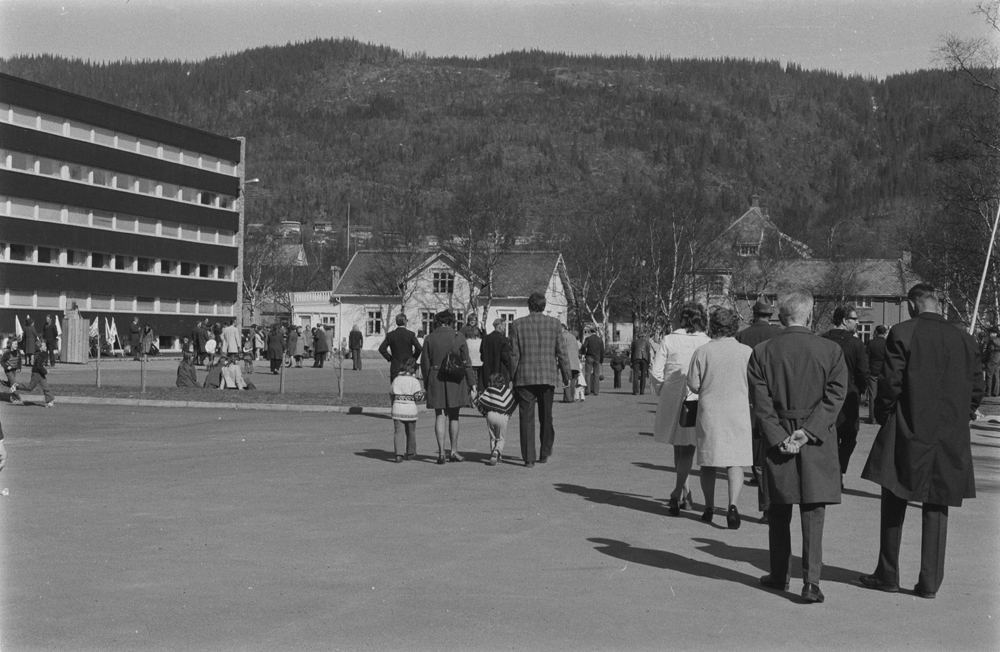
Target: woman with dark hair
(275, 348)
(445, 395)
(187, 376)
(148, 340)
(669, 368)
(718, 375)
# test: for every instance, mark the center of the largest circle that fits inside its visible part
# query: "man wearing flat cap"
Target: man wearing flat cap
(496, 353)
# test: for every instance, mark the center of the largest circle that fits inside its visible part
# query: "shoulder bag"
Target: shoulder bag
(453, 365)
(689, 412)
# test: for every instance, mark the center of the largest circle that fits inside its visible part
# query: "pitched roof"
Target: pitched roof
(868, 277)
(753, 225)
(517, 275)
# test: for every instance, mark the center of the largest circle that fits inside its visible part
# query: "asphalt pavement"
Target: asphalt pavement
(214, 529)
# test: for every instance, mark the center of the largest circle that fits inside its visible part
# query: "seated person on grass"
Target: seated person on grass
(232, 377)
(213, 376)
(187, 375)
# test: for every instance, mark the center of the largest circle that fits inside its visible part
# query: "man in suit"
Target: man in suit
(537, 355)
(593, 352)
(50, 333)
(640, 353)
(321, 346)
(876, 360)
(845, 322)
(798, 382)
(496, 353)
(928, 392)
(354, 342)
(399, 346)
(760, 330)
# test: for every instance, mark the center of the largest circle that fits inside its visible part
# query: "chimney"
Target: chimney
(335, 272)
(755, 201)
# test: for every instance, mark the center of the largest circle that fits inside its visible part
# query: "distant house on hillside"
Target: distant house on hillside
(753, 259)
(377, 285)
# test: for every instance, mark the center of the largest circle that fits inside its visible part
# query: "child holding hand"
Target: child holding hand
(405, 394)
(496, 403)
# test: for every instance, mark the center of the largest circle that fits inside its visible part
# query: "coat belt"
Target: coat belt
(793, 414)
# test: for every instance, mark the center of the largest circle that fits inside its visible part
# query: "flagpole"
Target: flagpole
(986, 267)
(98, 363)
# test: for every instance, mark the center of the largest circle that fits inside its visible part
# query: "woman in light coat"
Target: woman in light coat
(718, 375)
(669, 368)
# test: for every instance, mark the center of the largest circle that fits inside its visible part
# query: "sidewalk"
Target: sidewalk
(173, 529)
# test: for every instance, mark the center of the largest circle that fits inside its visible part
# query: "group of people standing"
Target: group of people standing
(787, 401)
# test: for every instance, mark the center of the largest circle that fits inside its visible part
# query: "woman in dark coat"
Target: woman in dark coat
(275, 348)
(187, 376)
(444, 395)
(320, 347)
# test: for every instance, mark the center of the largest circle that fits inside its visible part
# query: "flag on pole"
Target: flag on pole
(17, 328)
(58, 328)
(94, 332)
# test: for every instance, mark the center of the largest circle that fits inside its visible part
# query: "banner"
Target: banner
(18, 331)
(94, 332)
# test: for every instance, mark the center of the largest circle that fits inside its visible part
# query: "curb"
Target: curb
(278, 407)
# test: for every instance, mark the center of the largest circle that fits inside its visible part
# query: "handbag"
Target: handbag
(689, 412)
(453, 365)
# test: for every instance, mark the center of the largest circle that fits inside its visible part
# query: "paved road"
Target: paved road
(170, 529)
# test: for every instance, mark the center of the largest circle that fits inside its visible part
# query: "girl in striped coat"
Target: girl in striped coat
(497, 404)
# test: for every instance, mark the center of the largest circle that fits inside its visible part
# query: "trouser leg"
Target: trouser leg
(526, 422)
(398, 436)
(636, 373)
(643, 373)
(618, 378)
(411, 437)
(780, 541)
(544, 394)
(847, 441)
(893, 511)
(813, 516)
(933, 537)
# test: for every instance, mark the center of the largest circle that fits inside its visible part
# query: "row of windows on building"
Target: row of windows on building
(30, 119)
(64, 301)
(56, 169)
(374, 324)
(41, 255)
(48, 212)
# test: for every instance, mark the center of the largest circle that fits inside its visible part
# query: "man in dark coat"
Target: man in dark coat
(496, 353)
(320, 347)
(354, 342)
(593, 352)
(760, 330)
(876, 359)
(845, 322)
(50, 333)
(797, 384)
(135, 339)
(930, 389)
(640, 354)
(537, 356)
(399, 346)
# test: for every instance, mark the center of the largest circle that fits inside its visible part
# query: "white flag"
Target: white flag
(58, 328)
(94, 328)
(17, 327)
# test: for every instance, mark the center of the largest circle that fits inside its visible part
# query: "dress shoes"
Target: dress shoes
(399, 459)
(543, 459)
(410, 456)
(733, 519)
(873, 582)
(529, 465)
(812, 594)
(672, 507)
(924, 593)
(707, 516)
(773, 583)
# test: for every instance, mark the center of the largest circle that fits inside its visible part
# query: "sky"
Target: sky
(866, 37)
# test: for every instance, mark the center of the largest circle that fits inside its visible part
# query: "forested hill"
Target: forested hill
(837, 159)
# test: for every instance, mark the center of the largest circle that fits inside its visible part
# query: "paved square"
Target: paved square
(210, 529)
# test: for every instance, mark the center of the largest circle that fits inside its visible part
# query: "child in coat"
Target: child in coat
(11, 363)
(38, 378)
(496, 403)
(405, 394)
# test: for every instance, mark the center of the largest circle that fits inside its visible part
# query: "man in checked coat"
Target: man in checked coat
(538, 356)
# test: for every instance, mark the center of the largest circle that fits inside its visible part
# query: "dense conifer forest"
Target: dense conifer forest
(841, 162)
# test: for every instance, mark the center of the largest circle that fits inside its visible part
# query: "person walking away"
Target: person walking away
(876, 361)
(355, 341)
(399, 345)
(717, 374)
(38, 379)
(570, 392)
(275, 349)
(845, 322)
(669, 369)
(928, 392)
(538, 355)
(405, 394)
(298, 347)
(760, 330)
(231, 339)
(148, 340)
(446, 394)
(495, 352)
(496, 403)
(10, 360)
(798, 382)
(321, 346)
(593, 352)
(617, 366)
(50, 333)
(640, 354)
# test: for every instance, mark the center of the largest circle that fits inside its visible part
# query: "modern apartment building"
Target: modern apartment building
(121, 213)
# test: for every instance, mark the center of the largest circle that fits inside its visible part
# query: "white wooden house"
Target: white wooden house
(371, 292)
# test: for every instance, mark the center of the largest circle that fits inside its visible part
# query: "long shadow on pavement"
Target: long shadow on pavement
(638, 502)
(759, 558)
(672, 561)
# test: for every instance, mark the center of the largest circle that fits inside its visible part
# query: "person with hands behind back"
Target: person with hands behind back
(798, 382)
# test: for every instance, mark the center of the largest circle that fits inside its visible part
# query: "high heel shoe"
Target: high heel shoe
(707, 516)
(733, 518)
(440, 459)
(672, 507)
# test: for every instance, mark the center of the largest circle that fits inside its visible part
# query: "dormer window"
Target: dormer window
(747, 250)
